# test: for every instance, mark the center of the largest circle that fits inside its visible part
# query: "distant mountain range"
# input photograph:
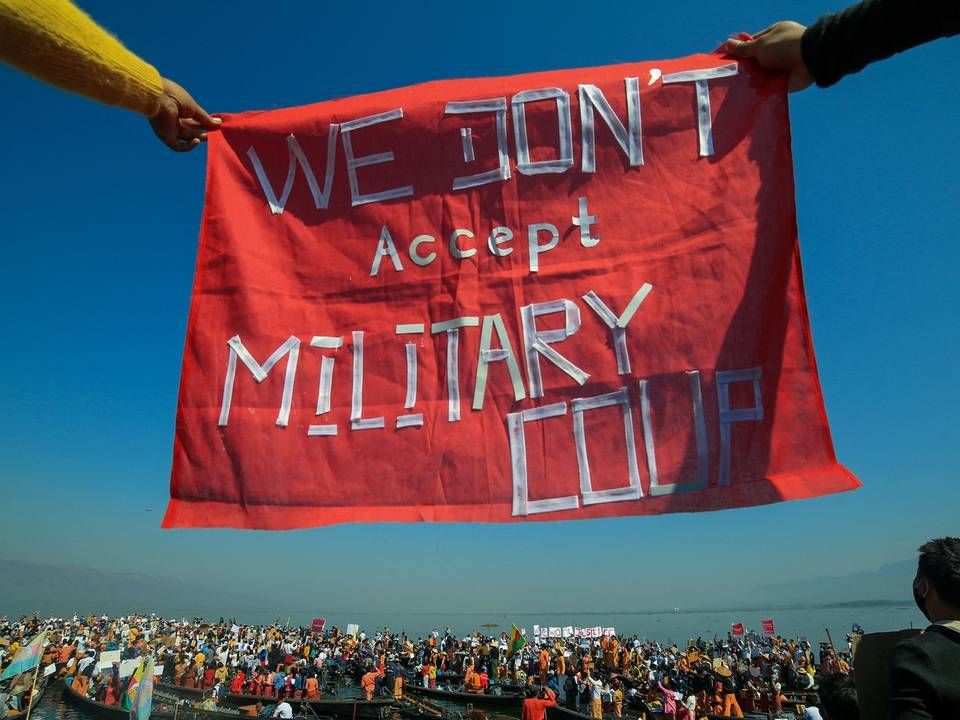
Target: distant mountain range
(63, 590)
(890, 582)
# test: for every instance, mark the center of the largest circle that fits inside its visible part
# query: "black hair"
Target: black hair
(838, 697)
(940, 564)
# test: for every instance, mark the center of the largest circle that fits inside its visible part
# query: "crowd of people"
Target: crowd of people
(721, 676)
(275, 663)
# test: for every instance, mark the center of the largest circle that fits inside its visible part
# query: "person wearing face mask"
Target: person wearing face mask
(925, 673)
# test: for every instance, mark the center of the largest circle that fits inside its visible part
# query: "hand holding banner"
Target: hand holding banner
(570, 294)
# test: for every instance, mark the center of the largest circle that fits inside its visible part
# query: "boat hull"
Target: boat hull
(503, 702)
(338, 707)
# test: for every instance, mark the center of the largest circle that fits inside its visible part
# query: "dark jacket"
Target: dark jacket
(845, 42)
(925, 676)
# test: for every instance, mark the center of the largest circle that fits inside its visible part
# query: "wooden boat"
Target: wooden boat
(502, 702)
(160, 710)
(347, 707)
(37, 695)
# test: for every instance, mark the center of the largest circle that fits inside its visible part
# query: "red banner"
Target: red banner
(767, 626)
(736, 629)
(570, 294)
(318, 625)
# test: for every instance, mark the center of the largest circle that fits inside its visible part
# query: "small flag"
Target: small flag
(767, 625)
(517, 641)
(129, 700)
(736, 629)
(27, 658)
(141, 702)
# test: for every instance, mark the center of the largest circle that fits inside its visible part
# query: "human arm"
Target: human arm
(842, 43)
(57, 42)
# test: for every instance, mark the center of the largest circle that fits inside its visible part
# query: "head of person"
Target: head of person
(936, 587)
(838, 698)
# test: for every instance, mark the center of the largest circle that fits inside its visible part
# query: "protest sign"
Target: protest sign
(568, 294)
(110, 656)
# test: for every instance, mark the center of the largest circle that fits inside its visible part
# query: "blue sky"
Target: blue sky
(98, 229)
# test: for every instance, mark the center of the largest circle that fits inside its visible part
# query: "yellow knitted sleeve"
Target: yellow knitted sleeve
(59, 43)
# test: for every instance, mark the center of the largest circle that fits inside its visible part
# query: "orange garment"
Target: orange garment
(369, 682)
(730, 705)
(236, 686)
(543, 664)
(312, 688)
(472, 682)
(81, 683)
(536, 709)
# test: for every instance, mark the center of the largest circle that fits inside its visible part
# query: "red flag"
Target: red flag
(551, 296)
(318, 625)
(767, 626)
(736, 629)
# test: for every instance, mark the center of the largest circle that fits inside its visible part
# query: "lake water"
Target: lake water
(663, 626)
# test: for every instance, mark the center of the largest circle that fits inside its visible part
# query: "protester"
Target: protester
(369, 683)
(596, 700)
(925, 674)
(838, 698)
(284, 711)
(535, 708)
(57, 42)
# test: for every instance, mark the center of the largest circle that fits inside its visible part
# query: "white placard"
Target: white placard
(110, 656)
(157, 670)
(127, 667)
(49, 670)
